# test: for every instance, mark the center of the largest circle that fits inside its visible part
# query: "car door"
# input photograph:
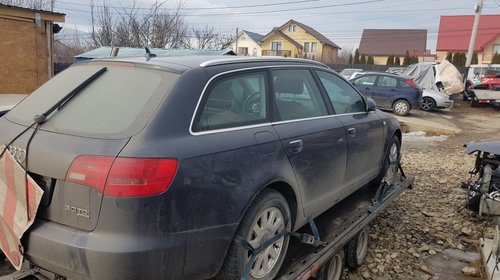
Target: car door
(385, 91)
(314, 140)
(365, 131)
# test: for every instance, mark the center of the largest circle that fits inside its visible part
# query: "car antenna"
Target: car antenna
(149, 55)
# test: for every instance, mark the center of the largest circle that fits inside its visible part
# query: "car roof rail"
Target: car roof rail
(215, 62)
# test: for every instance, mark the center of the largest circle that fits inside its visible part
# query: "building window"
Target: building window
(292, 27)
(306, 46)
(254, 51)
(242, 51)
(314, 46)
(496, 49)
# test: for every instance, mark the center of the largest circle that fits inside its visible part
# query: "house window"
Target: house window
(292, 27)
(496, 49)
(254, 51)
(306, 47)
(314, 46)
(276, 46)
(243, 51)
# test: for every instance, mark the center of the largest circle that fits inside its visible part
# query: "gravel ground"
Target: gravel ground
(426, 233)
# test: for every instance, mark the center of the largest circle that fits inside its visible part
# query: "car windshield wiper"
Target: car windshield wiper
(40, 119)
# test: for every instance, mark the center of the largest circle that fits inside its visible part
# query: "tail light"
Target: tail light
(123, 177)
(411, 83)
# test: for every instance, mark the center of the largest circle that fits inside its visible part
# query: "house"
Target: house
(106, 52)
(247, 43)
(27, 48)
(455, 31)
(295, 39)
(381, 43)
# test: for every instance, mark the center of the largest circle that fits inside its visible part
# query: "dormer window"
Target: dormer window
(292, 27)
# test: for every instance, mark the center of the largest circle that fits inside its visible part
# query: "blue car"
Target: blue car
(393, 92)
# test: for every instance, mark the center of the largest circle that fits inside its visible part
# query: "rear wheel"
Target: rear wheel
(267, 216)
(357, 248)
(334, 268)
(428, 104)
(401, 107)
(390, 166)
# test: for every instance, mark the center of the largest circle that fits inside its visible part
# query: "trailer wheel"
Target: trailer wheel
(334, 269)
(357, 248)
(267, 216)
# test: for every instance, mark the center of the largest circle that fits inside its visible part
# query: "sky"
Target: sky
(341, 21)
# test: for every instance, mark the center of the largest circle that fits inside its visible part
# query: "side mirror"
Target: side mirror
(370, 104)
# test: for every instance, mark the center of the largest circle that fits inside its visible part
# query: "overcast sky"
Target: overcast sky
(341, 21)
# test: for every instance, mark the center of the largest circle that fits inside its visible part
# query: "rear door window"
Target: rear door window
(233, 101)
(297, 95)
(115, 105)
(344, 98)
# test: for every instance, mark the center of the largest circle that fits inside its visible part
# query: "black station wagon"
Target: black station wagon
(153, 168)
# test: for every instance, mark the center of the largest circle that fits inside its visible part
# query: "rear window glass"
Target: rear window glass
(115, 105)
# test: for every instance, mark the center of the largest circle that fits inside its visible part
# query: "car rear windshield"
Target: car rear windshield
(117, 104)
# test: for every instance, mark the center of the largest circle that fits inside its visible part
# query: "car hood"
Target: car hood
(488, 146)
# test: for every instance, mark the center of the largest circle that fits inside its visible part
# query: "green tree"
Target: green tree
(362, 60)
(413, 60)
(356, 57)
(496, 58)
(370, 60)
(475, 59)
(407, 59)
(350, 58)
(390, 60)
(397, 61)
(449, 57)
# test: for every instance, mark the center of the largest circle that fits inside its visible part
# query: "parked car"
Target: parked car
(394, 92)
(354, 75)
(8, 101)
(173, 167)
(432, 100)
(346, 73)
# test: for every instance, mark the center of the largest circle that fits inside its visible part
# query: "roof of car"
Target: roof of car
(183, 63)
(381, 74)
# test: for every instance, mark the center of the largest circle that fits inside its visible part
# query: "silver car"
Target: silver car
(8, 101)
(432, 100)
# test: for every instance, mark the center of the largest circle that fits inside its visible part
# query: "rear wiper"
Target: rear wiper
(40, 119)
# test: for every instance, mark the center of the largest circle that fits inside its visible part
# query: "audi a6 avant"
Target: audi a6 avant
(152, 167)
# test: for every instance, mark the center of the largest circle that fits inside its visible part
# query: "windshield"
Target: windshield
(115, 105)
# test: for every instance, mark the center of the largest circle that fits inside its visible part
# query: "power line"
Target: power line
(199, 8)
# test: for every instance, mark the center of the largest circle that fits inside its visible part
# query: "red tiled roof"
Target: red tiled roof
(454, 32)
(393, 41)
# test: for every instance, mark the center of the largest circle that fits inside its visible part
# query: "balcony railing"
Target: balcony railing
(284, 53)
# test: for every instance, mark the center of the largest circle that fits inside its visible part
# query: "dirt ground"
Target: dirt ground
(427, 233)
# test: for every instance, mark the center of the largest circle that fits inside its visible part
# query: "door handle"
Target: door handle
(351, 132)
(296, 146)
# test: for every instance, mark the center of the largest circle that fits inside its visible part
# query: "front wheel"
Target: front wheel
(390, 166)
(428, 104)
(401, 107)
(267, 216)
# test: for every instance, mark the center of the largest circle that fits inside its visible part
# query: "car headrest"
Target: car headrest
(289, 84)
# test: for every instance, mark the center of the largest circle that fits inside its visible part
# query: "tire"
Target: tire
(401, 107)
(334, 269)
(357, 248)
(474, 102)
(389, 171)
(428, 104)
(270, 205)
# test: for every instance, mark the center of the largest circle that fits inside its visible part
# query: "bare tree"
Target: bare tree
(205, 38)
(31, 4)
(343, 57)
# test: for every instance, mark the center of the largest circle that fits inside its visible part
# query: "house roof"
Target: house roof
(20, 12)
(254, 36)
(308, 29)
(105, 52)
(393, 41)
(454, 32)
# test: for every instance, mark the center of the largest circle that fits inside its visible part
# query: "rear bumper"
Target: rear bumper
(446, 104)
(196, 254)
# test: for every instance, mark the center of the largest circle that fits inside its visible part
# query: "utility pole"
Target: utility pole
(472, 42)
(236, 44)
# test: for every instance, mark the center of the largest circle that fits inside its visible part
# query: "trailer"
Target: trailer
(485, 97)
(336, 239)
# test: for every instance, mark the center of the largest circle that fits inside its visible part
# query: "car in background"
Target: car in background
(394, 92)
(354, 75)
(346, 73)
(432, 100)
(177, 167)
(8, 101)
